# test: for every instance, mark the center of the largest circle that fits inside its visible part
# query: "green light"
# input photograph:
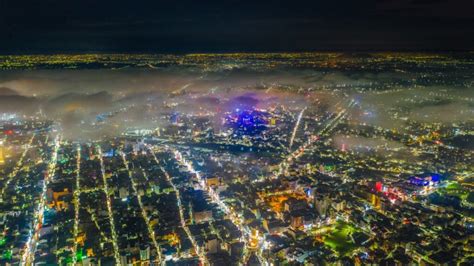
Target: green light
(7, 255)
(328, 168)
(79, 255)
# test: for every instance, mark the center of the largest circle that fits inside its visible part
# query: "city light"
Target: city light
(240, 158)
(30, 246)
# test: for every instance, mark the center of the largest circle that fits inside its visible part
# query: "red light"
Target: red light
(9, 132)
(378, 186)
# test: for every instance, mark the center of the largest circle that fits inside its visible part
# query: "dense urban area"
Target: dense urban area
(237, 159)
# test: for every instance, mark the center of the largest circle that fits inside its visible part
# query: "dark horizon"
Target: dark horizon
(31, 27)
(224, 52)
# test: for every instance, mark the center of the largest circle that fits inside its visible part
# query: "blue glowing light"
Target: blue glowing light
(248, 122)
(425, 179)
(174, 118)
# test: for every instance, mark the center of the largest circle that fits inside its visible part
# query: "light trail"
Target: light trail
(234, 217)
(18, 165)
(76, 200)
(109, 208)
(202, 256)
(269, 89)
(182, 88)
(30, 246)
(296, 127)
(284, 164)
(145, 215)
(333, 123)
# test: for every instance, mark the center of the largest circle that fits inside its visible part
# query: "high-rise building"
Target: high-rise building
(321, 204)
(376, 202)
(212, 246)
(124, 258)
(2, 158)
(273, 121)
(145, 253)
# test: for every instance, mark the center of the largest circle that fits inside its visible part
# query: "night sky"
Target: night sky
(178, 26)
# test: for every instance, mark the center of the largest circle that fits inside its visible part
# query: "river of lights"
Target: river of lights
(109, 209)
(76, 203)
(234, 217)
(30, 246)
(296, 127)
(199, 251)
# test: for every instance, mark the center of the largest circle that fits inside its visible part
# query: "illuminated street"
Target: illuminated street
(109, 208)
(237, 159)
(144, 213)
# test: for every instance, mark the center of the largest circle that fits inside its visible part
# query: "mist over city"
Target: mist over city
(245, 158)
(387, 95)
